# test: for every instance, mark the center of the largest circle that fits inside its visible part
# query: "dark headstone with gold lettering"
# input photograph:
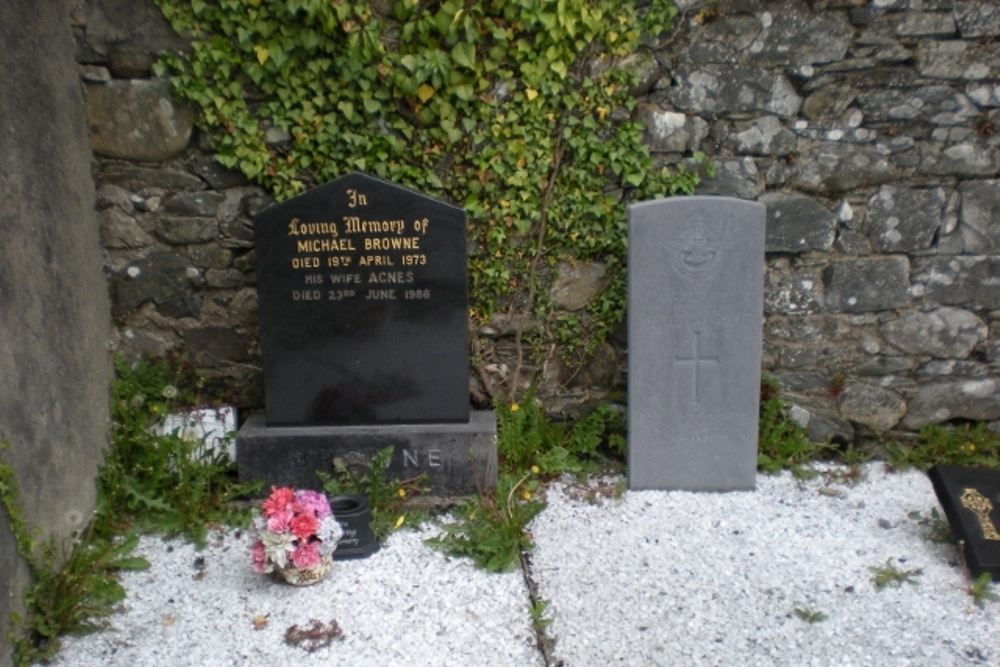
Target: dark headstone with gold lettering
(971, 501)
(364, 336)
(363, 306)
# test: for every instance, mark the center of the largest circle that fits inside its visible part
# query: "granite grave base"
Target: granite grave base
(455, 457)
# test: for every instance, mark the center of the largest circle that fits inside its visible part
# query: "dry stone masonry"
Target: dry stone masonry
(869, 129)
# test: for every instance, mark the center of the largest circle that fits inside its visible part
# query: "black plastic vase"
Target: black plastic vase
(354, 515)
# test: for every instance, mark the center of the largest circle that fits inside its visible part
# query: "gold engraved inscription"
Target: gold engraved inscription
(355, 198)
(981, 507)
(367, 252)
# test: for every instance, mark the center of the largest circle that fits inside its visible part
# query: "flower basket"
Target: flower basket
(296, 533)
(305, 576)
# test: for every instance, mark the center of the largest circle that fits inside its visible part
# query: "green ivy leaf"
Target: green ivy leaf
(464, 54)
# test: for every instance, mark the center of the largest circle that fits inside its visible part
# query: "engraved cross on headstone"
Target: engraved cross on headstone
(696, 360)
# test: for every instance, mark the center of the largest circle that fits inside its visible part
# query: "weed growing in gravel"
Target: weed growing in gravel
(161, 483)
(526, 437)
(69, 594)
(491, 527)
(782, 443)
(809, 615)
(596, 490)
(937, 529)
(538, 620)
(148, 482)
(982, 591)
(386, 497)
(964, 445)
(890, 575)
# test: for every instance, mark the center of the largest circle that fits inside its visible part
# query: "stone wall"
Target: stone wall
(54, 311)
(867, 128)
(869, 131)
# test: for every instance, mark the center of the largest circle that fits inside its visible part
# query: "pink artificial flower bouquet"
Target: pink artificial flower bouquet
(294, 527)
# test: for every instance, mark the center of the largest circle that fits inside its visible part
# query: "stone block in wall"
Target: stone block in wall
(216, 175)
(977, 399)
(926, 24)
(986, 95)
(955, 368)
(833, 168)
(945, 333)
(135, 178)
(867, 284)
(937, 105)
(136, 119)
(127, 24)
(958, 59)
(797, 223)
(162, 278)
(226, 278)
(176, 230)
(967, 160)
(576, 284)
(765, 136)
(210, 257)
(792, 291)
(237, 233)
(977, 18)
(904, 219)
(795, 37)
(196, 204)
(721, 40)
(851, 242)
(979, 216)
(214, 347)
(972, 281)
(733, 178)
(875, 407)
(670, 131)
(120, 230)
(881, 366)
(829, 102)
(876, 76)
(733, 90)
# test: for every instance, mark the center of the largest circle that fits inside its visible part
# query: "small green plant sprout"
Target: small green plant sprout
(981, 590)
(782, 442)
(491, 528)
(809, 615)
(386, 497)
(890, 575)
(937, 529)
(596, 490)
(538, 620)
(962, 445)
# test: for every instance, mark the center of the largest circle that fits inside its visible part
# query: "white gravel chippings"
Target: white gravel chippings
(781, 576)
(678, 578)
(405, 605)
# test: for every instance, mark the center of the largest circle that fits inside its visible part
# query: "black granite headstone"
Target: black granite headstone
(363, 294)
(971, 501)
(363, 307)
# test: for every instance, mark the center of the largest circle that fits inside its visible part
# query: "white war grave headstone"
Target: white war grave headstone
(696, 282)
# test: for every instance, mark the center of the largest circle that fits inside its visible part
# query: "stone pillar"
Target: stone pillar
(54, 309)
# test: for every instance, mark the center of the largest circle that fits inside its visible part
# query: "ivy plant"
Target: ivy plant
(517, 110)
